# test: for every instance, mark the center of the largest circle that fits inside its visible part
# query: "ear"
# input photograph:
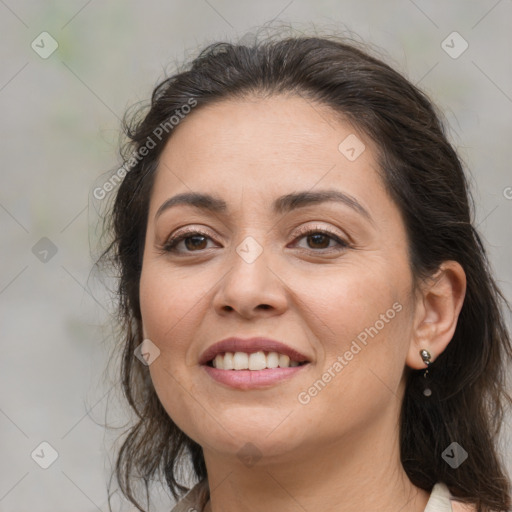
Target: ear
(438, 305)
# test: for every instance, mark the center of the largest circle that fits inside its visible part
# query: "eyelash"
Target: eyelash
(170, 245)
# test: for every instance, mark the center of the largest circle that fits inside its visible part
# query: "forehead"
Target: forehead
(267, 145)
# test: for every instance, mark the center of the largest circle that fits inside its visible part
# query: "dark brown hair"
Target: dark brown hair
(423, 174)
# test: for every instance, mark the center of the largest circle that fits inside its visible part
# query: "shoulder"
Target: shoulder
(441, 500)
(458, 506)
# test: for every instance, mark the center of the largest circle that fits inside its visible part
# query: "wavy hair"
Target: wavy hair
(424, 176)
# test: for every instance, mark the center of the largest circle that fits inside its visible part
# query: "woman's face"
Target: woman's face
(343, 300)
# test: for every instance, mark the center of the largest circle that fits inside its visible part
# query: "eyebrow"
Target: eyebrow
(283, 204)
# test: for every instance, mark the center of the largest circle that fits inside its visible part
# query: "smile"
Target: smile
(255, 361)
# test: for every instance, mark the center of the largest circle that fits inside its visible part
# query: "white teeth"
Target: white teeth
(257, 361)
(254, 361)
(219, 362)
(241, 361)
(272, 360)
(228, 361)
(284, 361)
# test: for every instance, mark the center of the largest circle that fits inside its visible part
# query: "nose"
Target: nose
(250, 287)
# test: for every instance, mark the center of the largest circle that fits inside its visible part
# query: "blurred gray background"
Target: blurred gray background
(60, 114)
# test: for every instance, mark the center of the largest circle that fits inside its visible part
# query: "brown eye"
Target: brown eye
(193, 241)
(319, 240)
(196, 242)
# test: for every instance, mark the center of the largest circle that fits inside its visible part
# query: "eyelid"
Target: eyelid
(301, 230)
(308, 227)
(193, 230)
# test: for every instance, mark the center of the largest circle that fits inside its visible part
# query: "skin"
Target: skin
(340, 451)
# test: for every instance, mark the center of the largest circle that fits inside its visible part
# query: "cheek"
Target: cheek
(354, 300)
(364, 328)
(164, 307)
(167, 304)
(359, 379)
(171, 304)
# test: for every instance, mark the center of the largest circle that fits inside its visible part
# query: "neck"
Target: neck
(349, 475)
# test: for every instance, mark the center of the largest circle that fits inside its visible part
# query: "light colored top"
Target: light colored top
(440, 500)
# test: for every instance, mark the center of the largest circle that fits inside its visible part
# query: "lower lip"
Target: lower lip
(253, 379)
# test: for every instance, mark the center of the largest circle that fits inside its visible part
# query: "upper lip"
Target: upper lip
(250, 345)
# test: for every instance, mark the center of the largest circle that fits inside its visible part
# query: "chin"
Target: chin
(261, 439)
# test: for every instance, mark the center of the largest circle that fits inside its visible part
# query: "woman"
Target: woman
(315, 322)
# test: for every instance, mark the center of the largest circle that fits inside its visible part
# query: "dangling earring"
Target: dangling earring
(425, 355)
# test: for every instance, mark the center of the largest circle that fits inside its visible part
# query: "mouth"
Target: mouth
(251, 354)
(255, 361)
